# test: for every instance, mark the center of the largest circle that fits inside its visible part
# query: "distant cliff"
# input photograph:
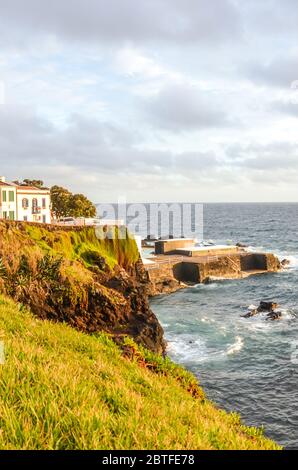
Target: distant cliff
(70, 275)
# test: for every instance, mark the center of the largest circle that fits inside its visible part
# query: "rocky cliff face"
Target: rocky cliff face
(72, 276)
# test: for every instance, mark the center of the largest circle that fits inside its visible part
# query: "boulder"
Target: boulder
(285, 262)
(251, 313)
(241, 245)
(266, 306)
(274, 316)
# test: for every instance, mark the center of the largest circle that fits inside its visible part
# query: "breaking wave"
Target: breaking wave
(236, 347)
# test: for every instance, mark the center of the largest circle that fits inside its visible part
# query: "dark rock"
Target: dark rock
(285, 262)
(274, 316)
(241, 245)
(251, 313)
(267, 306)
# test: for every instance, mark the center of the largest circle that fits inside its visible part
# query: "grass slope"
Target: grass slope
(61, 389)
(85, 244)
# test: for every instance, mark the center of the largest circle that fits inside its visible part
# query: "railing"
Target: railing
(234, 264)
(169, 261)
(36, 210)
(180, 259)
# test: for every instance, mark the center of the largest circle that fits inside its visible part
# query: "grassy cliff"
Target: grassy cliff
(82, 276)
(64, 389)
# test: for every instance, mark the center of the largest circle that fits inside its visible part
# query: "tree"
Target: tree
(60, 198)
(66, 204)
(27, 182)
(80, 206)
(36, 183)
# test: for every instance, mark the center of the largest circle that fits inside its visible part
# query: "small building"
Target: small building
(24, 203)
(169, 246)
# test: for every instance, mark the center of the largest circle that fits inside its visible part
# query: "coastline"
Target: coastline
(97, 291)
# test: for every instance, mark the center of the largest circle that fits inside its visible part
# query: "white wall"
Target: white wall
(7, 206)
(42, 215)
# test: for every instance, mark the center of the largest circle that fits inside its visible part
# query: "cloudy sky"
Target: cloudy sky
(152, 100)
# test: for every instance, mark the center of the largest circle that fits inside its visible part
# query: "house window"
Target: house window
(44, 219)
(25, 218)
(25, 203)
(11, 215)
(4, 215)
(44, 203)
(11, 196)
(34, 206)
(4, 196)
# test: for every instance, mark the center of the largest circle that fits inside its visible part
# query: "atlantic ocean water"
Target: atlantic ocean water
(245, 365)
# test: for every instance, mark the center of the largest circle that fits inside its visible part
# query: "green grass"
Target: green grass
(61, 389)
(41, 262)
(86, 244)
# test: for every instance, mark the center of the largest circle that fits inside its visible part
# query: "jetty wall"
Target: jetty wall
(167, 276)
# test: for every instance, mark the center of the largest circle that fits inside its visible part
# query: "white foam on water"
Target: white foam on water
(293, 261)
(252, 307)
(212, 285)
(291, 257)
(187, 349)
(236, 347)
(207, 320)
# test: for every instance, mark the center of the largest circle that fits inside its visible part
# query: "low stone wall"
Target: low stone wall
(238, 266)
(168, 277)
(224, 266)
(162, 278)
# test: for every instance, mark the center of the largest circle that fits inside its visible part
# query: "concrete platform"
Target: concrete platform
(163, 247)
(170, 272)
(215, 250)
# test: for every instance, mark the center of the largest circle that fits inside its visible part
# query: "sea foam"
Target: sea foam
(236, 347)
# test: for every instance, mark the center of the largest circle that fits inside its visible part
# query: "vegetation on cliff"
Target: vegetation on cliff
(64, 389)
(81, 276)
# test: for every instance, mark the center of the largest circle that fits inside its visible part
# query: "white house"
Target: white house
(24, 203)
(8, 200)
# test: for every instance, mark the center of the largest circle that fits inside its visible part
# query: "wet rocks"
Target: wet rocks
(268, 307)
(285, 263)
(241, 245)
(251, 313)
(274, 316)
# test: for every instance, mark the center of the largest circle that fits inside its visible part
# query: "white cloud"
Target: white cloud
(160, 100)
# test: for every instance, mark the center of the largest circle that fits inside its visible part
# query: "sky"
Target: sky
(152, 101)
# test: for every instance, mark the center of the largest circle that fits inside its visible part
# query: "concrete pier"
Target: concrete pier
(168, 273)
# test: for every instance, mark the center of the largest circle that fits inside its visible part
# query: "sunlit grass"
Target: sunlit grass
(61, 389)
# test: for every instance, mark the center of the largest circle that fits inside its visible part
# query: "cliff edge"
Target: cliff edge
(92, 281)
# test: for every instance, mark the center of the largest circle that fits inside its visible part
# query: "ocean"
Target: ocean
(245, 365)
